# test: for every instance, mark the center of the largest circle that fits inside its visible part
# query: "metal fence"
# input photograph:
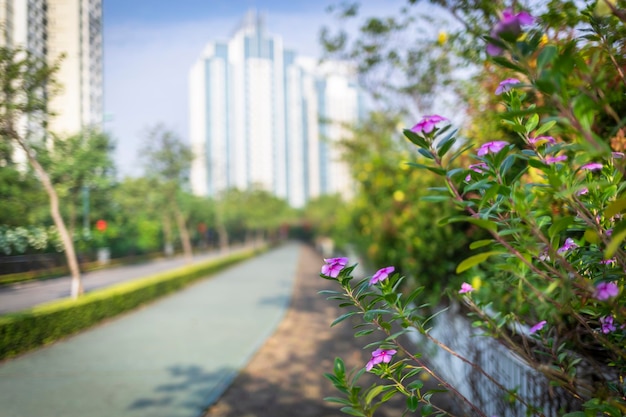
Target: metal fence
(455, 330)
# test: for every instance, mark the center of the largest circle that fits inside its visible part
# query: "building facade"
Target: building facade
(70, 30)
(262, 116)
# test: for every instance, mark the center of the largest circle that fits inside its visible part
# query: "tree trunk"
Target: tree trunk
(167, 236)
(222, 234)
(184, 235)
(66, 238)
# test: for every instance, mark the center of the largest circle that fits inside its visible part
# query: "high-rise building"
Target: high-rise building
(71, 29)
(262, 116)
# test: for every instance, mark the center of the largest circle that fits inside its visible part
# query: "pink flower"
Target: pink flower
(465, 288)
(540, 139)
(333, 266)
(555, 159)
(611, 262)
(380, 356)
(427, 124)
(491, 147)
(607, 324)
(606, 290)
(582, 191)
(506, 85)
(617, 155)
(567, 246)
(592, 166)
(537, 327)
(381, 274)
(509, 26)
(481, 168)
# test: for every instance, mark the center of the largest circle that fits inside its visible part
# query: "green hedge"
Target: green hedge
(46, 323)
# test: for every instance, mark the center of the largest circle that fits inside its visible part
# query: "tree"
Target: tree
(78, 164)
(167, 161)
(26, 83)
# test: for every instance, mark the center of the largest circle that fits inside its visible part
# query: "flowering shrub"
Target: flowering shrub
(552, 203)
(20, 239)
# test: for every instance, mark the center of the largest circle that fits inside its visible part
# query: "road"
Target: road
(20, 296)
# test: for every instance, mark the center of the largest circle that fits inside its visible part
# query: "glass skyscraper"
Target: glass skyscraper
(260, 115)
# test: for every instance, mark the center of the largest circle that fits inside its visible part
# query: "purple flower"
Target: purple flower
(544, 255)
(611, 262)
(333, 266)
(592, 166)
(427, 124)
(509, 26)
(606, 290)
(617, 155)
(506, 85)
(607, 324)
(555, 159)
(537, 327)
(582, 191)
(465, 288)
(540, 139)
(491, 147)
(381, 274)
(609, 232)
(480, 167)
(567, 246)
(380, 356)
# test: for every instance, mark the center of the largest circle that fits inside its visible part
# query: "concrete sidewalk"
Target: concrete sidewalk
(23, 295)
(171, 358)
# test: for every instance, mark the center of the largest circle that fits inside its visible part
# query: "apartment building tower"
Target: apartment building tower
(260, 115)
(71, 29)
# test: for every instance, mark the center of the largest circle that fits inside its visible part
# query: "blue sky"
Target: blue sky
(150, 45)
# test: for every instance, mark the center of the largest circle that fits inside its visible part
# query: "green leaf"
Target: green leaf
(592, 236)
(352, 411)
(480, 243)
(507, 64)
(363, 332)
(426, 153)
(342, 318)
(546, 56)
(485, 224)
(575, 414)
(427, 410)
(340, 368)
(412, 402)
(615, 207)
(475, 260)
(446, 147)
(337, 400)
(414, 294)
(415, 385)
(435, 198)
(373, 393)
(545, 127)
(415, 138)
(560, 225)
(616, 240)
(532, 123)
(416, 165)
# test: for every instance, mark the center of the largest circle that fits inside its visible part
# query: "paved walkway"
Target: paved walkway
(22, 295)
(171, 358)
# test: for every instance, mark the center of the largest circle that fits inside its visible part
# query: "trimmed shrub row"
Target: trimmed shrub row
(29, 329)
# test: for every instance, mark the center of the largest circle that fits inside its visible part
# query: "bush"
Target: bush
(29, 329)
